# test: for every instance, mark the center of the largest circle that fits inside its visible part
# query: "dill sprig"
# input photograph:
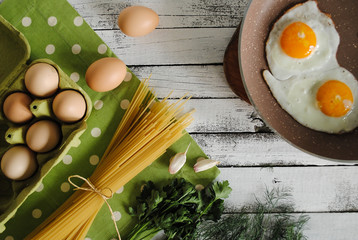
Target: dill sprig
(263, 220)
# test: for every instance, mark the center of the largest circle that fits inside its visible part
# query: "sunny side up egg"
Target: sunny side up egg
(321, 100)
(305, 77)
(303, 40)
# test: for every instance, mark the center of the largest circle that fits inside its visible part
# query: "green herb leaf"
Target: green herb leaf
(178, 208)
(222, 190)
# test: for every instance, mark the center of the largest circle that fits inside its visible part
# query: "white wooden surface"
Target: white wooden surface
(185, 53)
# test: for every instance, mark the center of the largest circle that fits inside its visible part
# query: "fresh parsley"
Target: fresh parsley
(177, 208)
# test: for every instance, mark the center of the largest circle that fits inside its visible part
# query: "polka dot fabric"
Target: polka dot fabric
(56, 31)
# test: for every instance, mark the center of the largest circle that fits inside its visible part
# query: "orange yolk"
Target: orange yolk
(298, 40)
(334, 98)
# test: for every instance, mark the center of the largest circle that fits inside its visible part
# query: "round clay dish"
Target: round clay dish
(255, 28)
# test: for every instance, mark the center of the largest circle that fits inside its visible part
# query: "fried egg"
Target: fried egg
(303, 40)
(321, 100)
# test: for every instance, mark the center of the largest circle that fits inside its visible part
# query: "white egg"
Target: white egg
(303, 40)
(302, 96)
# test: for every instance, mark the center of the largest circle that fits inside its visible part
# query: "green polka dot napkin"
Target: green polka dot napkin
(56, 31)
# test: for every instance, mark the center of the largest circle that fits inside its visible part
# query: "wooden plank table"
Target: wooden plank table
(185, 53)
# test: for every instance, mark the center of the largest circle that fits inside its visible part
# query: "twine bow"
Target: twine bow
(92, 188)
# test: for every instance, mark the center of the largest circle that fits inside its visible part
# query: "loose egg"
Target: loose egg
(106, 74)
(16, 107)
(18, 163)
(43, 136)
(137, 21)
(41, 80)
(69, 106)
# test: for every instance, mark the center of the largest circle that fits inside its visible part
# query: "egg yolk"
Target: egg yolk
(334, 98)
(298, 40)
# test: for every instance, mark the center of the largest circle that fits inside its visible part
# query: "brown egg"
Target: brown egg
(18, 163)
(41, 80)
(16, 107)
(137, 21)
(105, 74)
(43, 136)
(69, 106)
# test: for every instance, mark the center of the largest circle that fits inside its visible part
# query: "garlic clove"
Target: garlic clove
(205, 164)
(200, 159)
(178, 161)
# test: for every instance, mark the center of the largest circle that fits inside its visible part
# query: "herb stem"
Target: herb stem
(206, 209)
(150, 233)
(140, 230)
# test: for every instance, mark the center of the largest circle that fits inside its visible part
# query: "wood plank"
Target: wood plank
(223, 116)
(199, 81)
(257, 149)
(337, 226)
(170, 46)
(109, 22)
(230, 131)
(314, 189)
(168, 7)
(172, 14)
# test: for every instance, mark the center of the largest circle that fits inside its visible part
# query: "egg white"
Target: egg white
(283, 66)
(297, 96)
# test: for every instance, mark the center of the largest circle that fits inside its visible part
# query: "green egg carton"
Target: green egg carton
(15, 53)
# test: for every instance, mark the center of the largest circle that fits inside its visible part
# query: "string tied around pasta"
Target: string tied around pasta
(93, 189)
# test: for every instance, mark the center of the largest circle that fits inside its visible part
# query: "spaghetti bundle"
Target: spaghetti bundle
(146, 130)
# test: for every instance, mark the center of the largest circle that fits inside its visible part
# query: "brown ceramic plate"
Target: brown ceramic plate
(255, 28)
